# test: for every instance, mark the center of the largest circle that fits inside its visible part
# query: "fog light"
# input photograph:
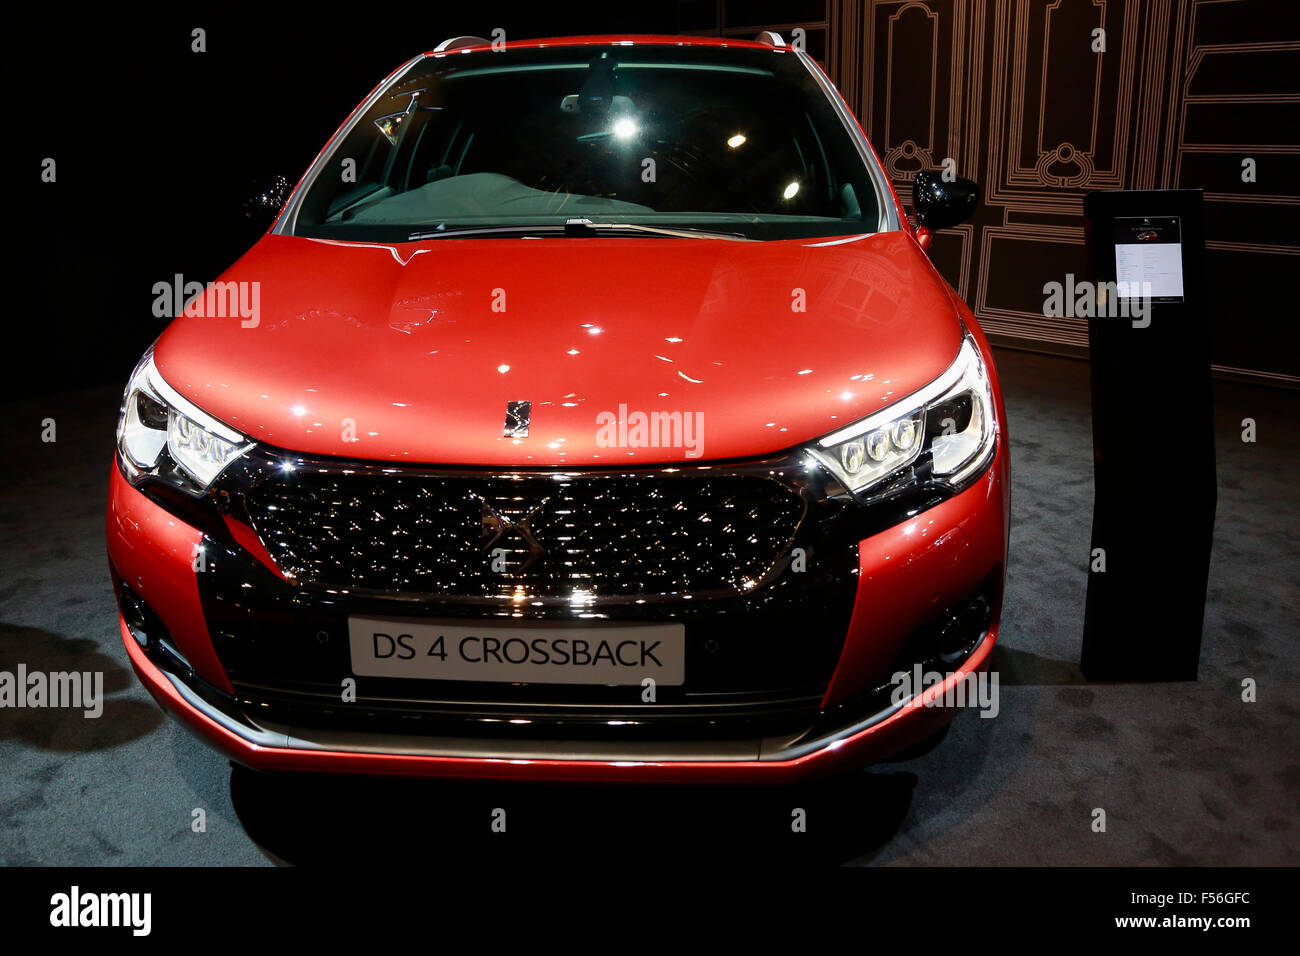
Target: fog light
(963, 629)
(134, 614)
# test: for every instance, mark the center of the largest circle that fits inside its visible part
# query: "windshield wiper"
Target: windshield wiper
(580, 227)
(577, 227)
(457, 231)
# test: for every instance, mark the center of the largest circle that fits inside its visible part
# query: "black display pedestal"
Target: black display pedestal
(1153, 440)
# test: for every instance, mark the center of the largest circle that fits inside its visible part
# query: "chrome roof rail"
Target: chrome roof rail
(455, 43)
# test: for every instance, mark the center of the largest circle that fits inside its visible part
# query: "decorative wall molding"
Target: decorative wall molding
(1013, 91)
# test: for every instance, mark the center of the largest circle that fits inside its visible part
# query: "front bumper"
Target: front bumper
(876, 737)
(907, 576)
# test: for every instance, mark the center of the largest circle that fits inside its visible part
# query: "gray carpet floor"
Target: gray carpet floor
(1187, 773)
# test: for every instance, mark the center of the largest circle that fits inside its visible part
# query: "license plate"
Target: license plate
(515, 653)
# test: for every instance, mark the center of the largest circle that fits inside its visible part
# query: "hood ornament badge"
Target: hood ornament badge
(518, 417)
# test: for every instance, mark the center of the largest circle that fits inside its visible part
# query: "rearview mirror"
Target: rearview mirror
(942, 203)
(266, 201)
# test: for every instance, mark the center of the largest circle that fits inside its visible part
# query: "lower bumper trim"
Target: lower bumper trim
(276, 748)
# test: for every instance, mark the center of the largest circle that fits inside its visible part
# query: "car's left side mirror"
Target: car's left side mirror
(941, 203)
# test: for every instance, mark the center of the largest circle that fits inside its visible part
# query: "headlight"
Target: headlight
(947, 430)
(162, 434)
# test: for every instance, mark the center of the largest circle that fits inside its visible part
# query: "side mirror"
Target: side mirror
(940, 204)
(266, 201)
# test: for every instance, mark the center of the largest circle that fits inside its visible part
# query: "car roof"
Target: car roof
(616, 39)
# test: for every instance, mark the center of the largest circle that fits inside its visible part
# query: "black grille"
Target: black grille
(567, 536)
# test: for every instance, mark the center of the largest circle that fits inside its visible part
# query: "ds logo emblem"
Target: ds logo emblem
(497, 526)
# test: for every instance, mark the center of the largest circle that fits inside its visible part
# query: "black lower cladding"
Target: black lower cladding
(771, 544)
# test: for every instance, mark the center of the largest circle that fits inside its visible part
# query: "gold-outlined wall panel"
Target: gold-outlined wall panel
(1015, 93)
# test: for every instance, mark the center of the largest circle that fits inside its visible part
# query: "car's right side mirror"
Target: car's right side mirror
(266, 200)
(941, 203)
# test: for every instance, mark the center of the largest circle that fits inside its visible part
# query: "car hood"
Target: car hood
(411, 352)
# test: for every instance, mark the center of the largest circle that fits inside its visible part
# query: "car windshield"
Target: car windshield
(735, 141)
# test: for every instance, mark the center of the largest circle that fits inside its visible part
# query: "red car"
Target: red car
(591, 412)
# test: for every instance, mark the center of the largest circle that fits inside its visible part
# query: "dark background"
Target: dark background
(157, 147)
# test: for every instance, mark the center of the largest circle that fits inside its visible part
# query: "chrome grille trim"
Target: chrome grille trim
(631, 536)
